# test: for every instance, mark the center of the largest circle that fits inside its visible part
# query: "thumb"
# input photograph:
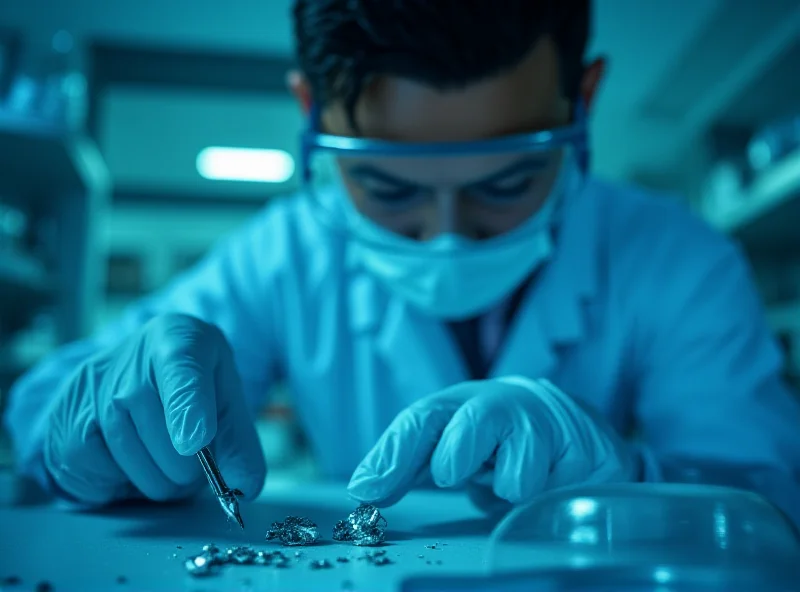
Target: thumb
(237, 447)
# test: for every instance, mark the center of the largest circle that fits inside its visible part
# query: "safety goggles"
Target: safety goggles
(385, 178)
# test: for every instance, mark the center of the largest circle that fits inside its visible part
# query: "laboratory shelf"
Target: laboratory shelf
(767, 217)
(57, 176)
(25, 285)
(39, 156)
(785, 317)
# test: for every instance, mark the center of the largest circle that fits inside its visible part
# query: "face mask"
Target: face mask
(452, 277)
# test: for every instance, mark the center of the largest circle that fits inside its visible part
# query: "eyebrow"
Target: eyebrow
(526, 165)
(370, 172)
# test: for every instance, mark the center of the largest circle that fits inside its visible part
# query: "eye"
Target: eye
(508, 189)
(394, 195)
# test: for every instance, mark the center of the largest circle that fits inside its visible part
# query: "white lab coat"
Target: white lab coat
(644, 313)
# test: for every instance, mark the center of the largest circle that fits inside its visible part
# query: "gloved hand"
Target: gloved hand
(506, 439)
(129, 422)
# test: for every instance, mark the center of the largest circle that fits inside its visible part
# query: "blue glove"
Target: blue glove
(507, 439)
(130, 420)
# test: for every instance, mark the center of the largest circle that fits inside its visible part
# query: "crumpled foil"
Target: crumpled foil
(364, 527)
(294, 531)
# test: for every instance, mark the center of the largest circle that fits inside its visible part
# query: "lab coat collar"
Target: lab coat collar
(552, 313)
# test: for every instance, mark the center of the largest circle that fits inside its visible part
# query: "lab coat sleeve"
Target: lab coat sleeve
(712, 405)
(231, 288)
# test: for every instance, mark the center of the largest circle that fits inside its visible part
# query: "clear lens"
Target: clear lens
(500, 189)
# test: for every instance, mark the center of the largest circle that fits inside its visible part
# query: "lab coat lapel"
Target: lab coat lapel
(552, 312)
(397, 347)
(420, 352)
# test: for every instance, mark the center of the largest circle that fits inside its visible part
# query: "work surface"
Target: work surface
(143, 547)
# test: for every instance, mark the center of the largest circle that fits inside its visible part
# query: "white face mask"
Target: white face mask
(452, 277)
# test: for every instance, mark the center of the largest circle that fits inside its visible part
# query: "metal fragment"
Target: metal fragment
(348, 585)
(11, 581)
(122, 580)
(215, 554)
(376, 558)
(294, 531)
(342, 560)
(201, 565)
(321, 564)
(44, 587)
(364, 527)
(241, 555)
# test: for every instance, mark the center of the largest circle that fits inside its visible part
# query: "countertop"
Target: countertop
(146, 544)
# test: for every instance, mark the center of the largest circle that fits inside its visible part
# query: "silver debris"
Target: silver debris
(321, 564)
(200, 566)
(241, 555)
(294, 531)
(364, 527)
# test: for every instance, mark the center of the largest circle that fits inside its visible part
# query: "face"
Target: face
(477, 197)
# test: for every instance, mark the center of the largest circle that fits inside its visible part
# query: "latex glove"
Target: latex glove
(520, 436)
(130, 420)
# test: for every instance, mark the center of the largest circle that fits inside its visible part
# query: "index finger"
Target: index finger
(402, 455)
(183, 363)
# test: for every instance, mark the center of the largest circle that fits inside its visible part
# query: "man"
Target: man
(452, 297)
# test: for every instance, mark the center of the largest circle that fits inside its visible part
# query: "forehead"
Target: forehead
(522, 99)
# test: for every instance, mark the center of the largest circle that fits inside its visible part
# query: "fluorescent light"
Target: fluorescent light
(245, 164)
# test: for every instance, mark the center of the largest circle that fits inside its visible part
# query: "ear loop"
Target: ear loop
(582, 148)
(307, 141)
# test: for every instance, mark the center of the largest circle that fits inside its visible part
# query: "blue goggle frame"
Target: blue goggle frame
(575, 135)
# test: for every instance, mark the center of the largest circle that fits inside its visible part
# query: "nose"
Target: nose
(446, 217)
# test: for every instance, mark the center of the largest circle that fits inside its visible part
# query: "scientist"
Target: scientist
(452, 297)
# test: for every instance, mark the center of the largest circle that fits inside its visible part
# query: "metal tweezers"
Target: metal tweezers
(226, 496)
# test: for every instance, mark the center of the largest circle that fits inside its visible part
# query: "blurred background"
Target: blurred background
(108, 109)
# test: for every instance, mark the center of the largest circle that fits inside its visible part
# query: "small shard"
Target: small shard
(364, 527)
(215, 554)
(122, 580)
(342, 560)
(201, 565)
(321, 564)
(348, 585)
(376, 558)
(294, 531)
(44, 587)
(11, 581)
(241, 555)
(430, 546)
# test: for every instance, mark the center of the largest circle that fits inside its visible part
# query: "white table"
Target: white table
(148, 543)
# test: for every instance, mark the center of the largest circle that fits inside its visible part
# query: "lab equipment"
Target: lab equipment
(364, 527)
(643, 525)
(642, 313)
(227, 497)
(774, 142)
(294, 531)
(526, 434)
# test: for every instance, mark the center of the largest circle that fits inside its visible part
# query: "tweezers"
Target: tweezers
(226, 496)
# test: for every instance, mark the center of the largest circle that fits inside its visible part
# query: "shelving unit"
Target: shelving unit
(57, 174)
(767, 218)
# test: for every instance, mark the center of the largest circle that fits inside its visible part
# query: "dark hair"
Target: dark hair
(342, 44)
